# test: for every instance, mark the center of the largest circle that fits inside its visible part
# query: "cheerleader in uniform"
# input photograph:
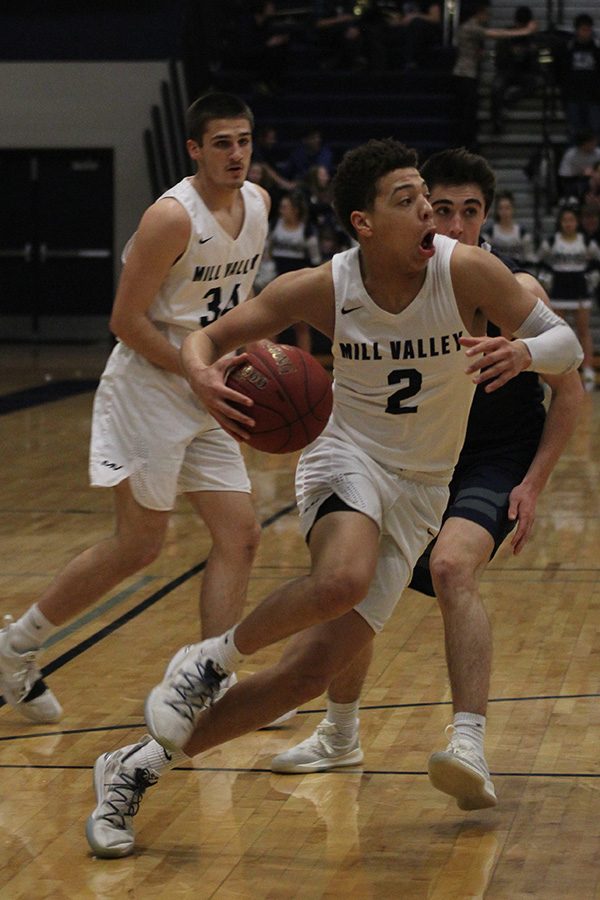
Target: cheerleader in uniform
(568, 256)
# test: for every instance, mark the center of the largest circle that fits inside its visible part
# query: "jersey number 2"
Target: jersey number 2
(413, 380)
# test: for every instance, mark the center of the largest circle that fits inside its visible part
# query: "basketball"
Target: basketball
(292, 396)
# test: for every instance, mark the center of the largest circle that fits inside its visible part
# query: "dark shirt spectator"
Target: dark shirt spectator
(577, 67)
(577, 164)
(592, 192)
(516, 68)
(338, 32)
(470, 48)
(319, 193)
(311, 151)
(257, 44)
(268, 151)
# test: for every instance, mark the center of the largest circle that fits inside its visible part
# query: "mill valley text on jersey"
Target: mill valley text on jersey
(411, 348)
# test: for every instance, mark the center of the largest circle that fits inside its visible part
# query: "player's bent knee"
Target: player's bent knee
(448, 573)
(338, 592)
(142, 550)
(241, 539)
(309, 674)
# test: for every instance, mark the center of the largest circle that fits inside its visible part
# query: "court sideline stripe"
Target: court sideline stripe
(350, 770)
(45, 393)
(135, 611)
(304, 712)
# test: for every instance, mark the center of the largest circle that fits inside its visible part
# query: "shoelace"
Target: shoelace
(462, 748)
(322, 738)
(129, 790)
(28, 673)
(196, 689)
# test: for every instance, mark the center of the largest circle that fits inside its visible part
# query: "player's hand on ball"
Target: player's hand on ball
(224, 403)
(498, 360)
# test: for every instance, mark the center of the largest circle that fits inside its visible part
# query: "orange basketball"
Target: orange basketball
(292, 396)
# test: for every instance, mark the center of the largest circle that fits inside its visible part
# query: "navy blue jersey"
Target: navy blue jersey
(513, 413)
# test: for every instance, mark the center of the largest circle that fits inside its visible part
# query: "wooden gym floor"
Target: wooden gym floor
(224, 826)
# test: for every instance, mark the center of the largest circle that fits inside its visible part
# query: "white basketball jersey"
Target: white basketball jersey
(401, 392)
(216, 272)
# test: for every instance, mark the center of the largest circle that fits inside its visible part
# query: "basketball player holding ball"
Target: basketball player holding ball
(401, 308)
(193, 257)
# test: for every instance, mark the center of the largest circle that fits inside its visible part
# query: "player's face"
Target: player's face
(459, 212)
(225, 152)
(402, 219)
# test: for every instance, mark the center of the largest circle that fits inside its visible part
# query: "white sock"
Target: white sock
(224, 652)
(31, 630)
(472, 727)
(153, 756)
(344, 716)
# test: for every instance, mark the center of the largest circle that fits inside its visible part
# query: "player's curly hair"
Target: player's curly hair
(356, 178)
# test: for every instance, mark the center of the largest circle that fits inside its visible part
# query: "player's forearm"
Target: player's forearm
(553, 345)
(143, 336)
(561, 420)
(197, 353)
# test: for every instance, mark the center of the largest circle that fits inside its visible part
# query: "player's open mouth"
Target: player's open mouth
(426, 246)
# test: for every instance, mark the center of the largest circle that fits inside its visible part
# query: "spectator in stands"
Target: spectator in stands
(273, 157)
(567, 257)
(470, 46)
(507, 235)
(592, 194)
(310, 151)
(577, 165)
(293, 244)
(202, 35)
(423, 33)
(337, 27)
(590, 223)
(516, 69)
(257, 44)
(320, 197)
(258, 174)
(590, 227)
(332, 241)
(577, 66)
(409, 34)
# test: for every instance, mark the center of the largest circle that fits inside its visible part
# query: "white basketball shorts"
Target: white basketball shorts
(407, 510)
(149, 426)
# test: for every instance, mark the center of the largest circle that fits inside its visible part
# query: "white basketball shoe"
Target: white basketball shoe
(21, 682)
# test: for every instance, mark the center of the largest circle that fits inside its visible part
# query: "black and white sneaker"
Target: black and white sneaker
(119, 790)
(192, 683)
(21, 682)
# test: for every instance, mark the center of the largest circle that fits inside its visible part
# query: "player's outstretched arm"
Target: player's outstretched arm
(484, 286)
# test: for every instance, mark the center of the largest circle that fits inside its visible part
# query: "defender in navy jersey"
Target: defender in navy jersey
(372, 488)
(193, 257)
(509, 452)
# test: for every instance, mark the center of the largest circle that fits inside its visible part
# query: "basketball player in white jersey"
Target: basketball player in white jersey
(193, 258)
(400, 308)
(511, 447)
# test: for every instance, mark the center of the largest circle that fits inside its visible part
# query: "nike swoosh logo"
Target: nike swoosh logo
(349, 310)
(204, 240)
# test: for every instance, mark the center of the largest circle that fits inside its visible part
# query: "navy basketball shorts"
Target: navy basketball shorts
(480, 491)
